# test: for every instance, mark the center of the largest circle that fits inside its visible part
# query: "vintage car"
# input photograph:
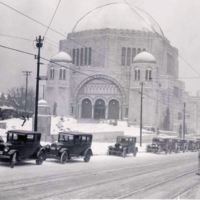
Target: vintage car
(173, 145)
(183, 145)
(21, 145)
(158, 145)
(70, 144)
(124, 145)
(192, 146)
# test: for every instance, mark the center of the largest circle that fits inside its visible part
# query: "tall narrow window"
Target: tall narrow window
(53, 73)
(64, 74)
(137, 73)
(148, 76)
(60, 74)
(143, 49)
(90, 56)
(123, 56)
(81, 57)
(138, 50)
(147, 73)
(74, 56)
(128, 56)
(133, 53)
(77, 57)
(86, 56)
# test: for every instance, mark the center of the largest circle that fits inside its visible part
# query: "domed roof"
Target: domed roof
(144, 57)
(117, 16)
(42, 102)
(61, 57)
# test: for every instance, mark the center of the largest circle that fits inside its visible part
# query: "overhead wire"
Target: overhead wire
(55, 30)
(52, 18)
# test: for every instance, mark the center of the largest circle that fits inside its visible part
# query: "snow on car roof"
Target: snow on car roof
(75, 133)
(24, 132)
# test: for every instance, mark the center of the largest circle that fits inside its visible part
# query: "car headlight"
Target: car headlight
(6, 149)
(58, 148)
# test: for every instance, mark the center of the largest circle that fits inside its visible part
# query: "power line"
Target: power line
(16, 37)
(161, 37)
(52, 18)
(86, 75)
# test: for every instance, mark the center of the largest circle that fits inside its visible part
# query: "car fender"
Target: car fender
(88, 150)
(41, 149)
(12, 151)
(62, 150)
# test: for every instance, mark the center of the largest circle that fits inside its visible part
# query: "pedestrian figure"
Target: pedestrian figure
(198, 173)
(27, 117)
(23, 118)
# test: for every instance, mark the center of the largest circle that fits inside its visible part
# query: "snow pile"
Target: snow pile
(65, 124)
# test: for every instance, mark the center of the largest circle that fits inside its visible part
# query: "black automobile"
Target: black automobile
(21, 145)
(124, 145)
(183, 145)
(173, 145)
(192, 145)
(158, 145)
(70, 144)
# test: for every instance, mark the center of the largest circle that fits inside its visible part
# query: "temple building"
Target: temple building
(112, 52)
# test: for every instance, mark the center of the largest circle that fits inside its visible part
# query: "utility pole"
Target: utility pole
(184, 121)
(43, 90)
(141, 114)
(39, 44)
(26, 73)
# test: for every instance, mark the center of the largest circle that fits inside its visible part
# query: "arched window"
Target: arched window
(138, 50)
(81, 57)
(64, 74)
(60, 74)
(77, 57)
(123, 56)
(143, 49)
(90, 56)
(128, 56)
(74, 56)
(86, 56)
(51, 73)
(148, 75)
(137, 74)
(133, 53)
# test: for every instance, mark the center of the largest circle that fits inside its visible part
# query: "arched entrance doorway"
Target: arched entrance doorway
(99, 109)
(113, 109)
(86, 109)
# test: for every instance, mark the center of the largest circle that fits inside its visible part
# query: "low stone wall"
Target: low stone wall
(97, 137)
(170, 133)
(146, 138)
(106, 136)
(3, 125)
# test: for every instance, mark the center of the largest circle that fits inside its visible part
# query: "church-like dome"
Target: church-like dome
(61, 57)
(144, 57)
(117, 16)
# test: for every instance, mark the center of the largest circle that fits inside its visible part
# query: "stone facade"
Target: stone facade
(100, 81)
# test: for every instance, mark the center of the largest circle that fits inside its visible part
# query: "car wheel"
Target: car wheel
(40, 158)
(124, 154)
(135, 153)
(87, 157)
(64, 157)
(14, 160)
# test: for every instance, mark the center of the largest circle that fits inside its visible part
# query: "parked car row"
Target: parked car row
(169, 145)
(22, 145)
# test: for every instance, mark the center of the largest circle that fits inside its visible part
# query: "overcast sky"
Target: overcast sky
(179, 20)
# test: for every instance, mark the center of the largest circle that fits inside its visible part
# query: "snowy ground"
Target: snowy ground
(59, 124)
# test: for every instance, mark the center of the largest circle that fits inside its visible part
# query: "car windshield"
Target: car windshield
(13, 137)
(123, 140)
(157, 140)
(66, 138)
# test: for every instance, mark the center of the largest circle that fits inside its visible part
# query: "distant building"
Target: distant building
(117, 50)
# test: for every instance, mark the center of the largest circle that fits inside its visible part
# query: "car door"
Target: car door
(29, 145)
